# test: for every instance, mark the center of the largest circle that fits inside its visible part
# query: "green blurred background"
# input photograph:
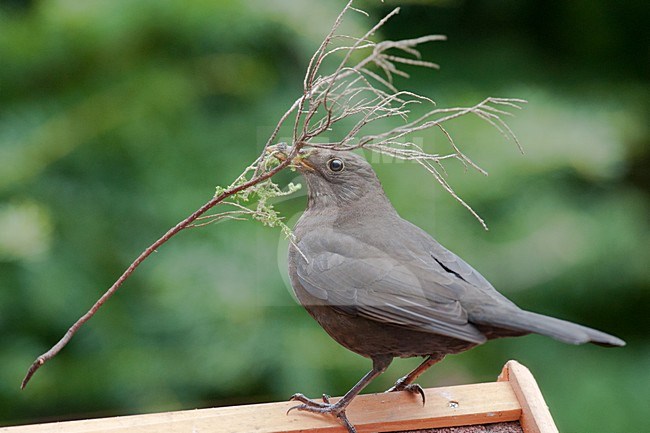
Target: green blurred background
(118, 118)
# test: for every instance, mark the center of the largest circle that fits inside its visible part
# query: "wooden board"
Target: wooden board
(515, 397)
(535, 416)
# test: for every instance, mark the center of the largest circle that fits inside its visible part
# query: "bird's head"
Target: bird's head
(336, 177)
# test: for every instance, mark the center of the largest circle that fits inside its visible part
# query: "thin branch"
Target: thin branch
(42, 359)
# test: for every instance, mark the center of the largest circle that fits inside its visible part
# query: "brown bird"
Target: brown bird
(384, 288)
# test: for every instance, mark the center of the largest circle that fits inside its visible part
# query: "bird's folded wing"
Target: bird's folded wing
(473, 284)
(379, 287)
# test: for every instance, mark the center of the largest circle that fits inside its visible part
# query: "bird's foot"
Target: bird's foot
(414, 388)
(336, 409)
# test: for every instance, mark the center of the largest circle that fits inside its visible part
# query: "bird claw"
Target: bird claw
(308, 403)
(326, 407)
(413, 388)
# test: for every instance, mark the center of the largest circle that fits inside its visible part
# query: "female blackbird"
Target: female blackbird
(384, 288)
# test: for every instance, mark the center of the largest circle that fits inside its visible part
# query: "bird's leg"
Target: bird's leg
(379, 365)
(406, 383)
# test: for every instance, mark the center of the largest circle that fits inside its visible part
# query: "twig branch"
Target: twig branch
(38, 363)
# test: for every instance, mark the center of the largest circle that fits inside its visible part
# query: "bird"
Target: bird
(384, 288)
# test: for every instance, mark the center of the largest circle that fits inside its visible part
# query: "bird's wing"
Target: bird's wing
(363, 280)
(475, 289)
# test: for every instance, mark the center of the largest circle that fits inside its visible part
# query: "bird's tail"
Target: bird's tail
(567, 332)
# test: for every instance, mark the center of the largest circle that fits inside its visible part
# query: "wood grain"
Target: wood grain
(535, 416)
(447, 406)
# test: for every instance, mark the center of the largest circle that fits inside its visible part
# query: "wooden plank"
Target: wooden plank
(535, 416)
(447, 406)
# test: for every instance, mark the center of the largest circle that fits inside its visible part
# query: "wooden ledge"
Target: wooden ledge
(515, 397)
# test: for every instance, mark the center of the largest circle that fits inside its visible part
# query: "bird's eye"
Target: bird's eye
(335, 164)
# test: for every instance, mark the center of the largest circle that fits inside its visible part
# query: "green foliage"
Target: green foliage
(117, 119)
(261, 197)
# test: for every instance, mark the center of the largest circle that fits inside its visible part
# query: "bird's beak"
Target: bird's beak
(300, 162)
